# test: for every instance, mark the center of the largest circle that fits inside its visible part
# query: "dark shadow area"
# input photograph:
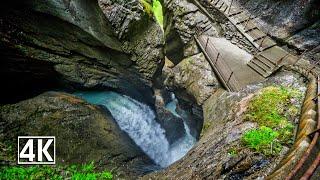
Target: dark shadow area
(23, 78)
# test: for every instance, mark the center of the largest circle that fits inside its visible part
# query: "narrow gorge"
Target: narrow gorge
(162, 89)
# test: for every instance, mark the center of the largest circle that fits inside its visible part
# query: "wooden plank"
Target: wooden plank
(218, 73)
(267, 43)
(256, 68)
(274, 54)
(256, 34)
(240, 17)
(264, 60)
(262, 64)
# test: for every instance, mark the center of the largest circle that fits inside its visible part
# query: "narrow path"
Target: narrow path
(228, 62)
(271, 57)
(303, 159)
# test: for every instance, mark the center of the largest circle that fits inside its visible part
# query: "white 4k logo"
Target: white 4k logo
(27, 152)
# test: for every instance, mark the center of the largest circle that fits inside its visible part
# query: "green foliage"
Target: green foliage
(147, 7)
(155, 9)
(157, 12)
(269, 107)
(262, 140)
(74, 172)
(205, 127)
(272, 110)
(233, 152)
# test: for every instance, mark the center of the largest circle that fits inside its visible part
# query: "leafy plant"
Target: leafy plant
(262, 140)
(232, 152)
(85, 171)
(147, 7)
(155, 9)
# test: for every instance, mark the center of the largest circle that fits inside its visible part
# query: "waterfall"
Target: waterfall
(184, 144)
(138, 121)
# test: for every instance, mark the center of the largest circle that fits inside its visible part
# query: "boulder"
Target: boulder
(194, 76)
(83, 132)
(170, 122)
(75, 41)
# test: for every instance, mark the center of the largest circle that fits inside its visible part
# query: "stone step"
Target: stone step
(258, 69)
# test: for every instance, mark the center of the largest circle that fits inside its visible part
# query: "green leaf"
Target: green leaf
(157, 11)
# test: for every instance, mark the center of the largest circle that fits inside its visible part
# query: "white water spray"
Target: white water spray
(138, 121)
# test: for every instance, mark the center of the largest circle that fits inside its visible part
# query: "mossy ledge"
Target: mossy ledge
(274, 109)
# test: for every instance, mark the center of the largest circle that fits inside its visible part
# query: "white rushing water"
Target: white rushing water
(138, 121)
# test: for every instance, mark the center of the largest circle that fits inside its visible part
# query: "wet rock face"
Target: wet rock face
(172, 124)
(193, 82)
(194, 76)
(122, 14)
(212, 157)
(76, 39)
(183, 20)
(83, 132)
(284, 19)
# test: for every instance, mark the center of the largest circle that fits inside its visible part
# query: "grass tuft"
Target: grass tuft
(263, 140)
(272, 109)
(74, 172)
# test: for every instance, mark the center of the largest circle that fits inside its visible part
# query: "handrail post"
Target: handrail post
(245, 26)
(263, 39)
(217, 58)
(230, 77)
(207, 43)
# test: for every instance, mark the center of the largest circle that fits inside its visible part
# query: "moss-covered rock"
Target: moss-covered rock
(83, 132)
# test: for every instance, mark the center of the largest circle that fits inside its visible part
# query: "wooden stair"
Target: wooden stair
(263, 66)
(268, 61)
(244, 23)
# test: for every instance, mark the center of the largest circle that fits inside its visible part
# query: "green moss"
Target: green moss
(155, 9)
(205, 127)
(272, 109)
(73, 172)
(263, 140)
(269, 108)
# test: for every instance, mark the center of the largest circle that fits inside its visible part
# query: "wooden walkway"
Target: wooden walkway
(270, 57)
(231, 71)
(216, 61)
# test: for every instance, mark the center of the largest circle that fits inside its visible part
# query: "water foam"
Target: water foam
(139, 122)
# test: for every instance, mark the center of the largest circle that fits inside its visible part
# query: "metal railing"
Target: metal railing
(216, 61)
